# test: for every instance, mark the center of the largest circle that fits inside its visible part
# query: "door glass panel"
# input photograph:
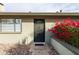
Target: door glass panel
(39, 33)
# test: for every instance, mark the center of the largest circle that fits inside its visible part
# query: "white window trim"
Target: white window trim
(14, 28)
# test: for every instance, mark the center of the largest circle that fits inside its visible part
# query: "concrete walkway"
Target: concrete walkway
(43, 50)
(23, 50)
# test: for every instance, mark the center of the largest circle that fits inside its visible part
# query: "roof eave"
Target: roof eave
(41, 13)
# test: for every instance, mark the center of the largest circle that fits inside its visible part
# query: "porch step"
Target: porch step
(40, 50)
(43, 50)
(39, 44)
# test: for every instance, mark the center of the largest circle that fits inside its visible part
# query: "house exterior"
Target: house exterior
(31, 26)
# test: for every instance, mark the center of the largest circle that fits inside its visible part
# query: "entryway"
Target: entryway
(39, 31)
(43, 50)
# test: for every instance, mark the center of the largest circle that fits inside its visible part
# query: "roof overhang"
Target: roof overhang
(40, 13)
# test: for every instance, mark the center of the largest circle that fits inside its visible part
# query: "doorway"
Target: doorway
(39, 31)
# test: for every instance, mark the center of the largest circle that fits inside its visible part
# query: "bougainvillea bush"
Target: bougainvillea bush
(67, 30)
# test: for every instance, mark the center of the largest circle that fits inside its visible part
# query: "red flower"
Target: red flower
(63, 30)
(68, 21)
(57, 22)
(76, 24)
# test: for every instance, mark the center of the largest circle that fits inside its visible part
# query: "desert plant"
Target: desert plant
(20, 49)
(24, 40)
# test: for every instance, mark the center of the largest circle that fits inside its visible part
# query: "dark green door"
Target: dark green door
(39, 30)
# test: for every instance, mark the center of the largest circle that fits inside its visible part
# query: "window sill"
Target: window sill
(10, 32)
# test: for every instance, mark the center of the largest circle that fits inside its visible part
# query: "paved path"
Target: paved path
(23, 50)
(43, 50)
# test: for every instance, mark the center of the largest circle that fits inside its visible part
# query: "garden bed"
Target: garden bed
(64, 48)
(66, 31)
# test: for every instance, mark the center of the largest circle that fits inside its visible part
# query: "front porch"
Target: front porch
(19, 49)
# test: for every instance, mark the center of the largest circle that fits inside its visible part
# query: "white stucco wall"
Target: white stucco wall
(49, 23)
(27, 31)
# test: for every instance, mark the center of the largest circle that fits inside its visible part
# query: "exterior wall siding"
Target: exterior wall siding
(48, 24)
(27, 33)
(28, 30)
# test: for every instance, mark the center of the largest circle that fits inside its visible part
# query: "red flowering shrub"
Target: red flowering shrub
(67, 30)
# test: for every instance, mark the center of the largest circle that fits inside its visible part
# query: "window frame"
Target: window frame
(14, 32)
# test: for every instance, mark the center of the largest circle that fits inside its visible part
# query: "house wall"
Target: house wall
(27, 33)
(48, 24)
(27, 30)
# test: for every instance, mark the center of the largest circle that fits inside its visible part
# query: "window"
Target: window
(10, 25)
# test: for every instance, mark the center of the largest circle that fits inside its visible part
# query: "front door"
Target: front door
(39, 31)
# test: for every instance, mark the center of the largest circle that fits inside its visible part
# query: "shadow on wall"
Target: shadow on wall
(47, 37)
